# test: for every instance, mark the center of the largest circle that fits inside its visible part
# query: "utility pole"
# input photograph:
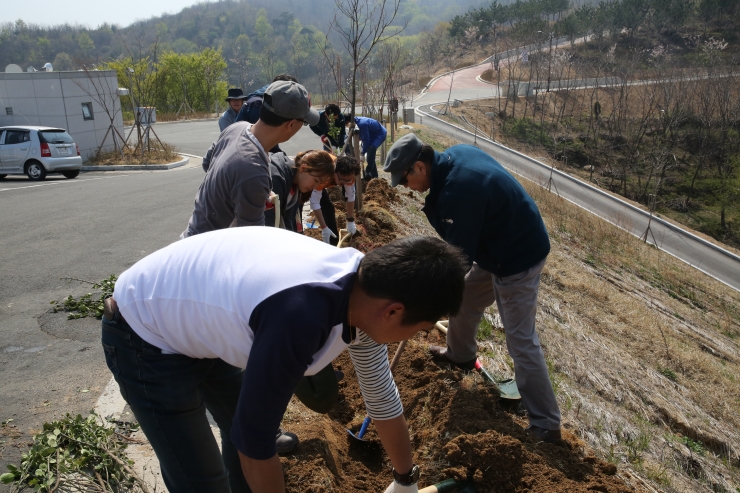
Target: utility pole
(549, 60)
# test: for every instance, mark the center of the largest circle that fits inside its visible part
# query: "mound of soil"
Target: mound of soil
(375, 225)
(459, 430)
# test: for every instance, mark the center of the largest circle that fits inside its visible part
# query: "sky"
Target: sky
(90, 13)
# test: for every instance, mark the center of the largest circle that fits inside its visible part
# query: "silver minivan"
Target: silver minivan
(37, 151)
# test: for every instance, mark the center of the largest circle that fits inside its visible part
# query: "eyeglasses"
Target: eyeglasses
(305, 123)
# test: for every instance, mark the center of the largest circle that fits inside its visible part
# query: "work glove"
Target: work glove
(327, 234)
(351, 228)
(397, 488)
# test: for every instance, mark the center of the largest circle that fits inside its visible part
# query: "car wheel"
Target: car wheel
(35, 171)
(2, 177)
(71, 174)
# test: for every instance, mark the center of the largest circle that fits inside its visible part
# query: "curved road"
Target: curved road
(697, 252)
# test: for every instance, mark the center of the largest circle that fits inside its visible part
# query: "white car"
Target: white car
(37, 151)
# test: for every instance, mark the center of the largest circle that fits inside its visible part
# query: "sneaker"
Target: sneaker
(439, 354)
(286, 441)
(548, 436)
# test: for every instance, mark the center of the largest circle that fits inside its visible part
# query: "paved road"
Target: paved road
(692, 250)
(90, 227)
(196, 137)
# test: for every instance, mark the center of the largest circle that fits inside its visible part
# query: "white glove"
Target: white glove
(351, 227)
(327, 234)
(398, 488)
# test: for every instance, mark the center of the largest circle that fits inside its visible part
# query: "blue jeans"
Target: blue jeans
(371, 170)
(169, 395)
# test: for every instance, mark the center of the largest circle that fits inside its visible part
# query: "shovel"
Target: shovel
(507, 388)
(448, 486)
(366, 421)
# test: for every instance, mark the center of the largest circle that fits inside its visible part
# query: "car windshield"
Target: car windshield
(55, 137)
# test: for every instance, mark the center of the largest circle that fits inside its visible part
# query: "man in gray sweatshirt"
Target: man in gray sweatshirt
(237, 183)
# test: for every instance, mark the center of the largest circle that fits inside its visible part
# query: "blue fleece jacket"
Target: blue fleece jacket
(475, 204)
(372, 133)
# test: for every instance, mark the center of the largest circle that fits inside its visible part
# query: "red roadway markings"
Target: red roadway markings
(465, 79)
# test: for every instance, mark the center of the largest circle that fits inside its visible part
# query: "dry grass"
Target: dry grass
(643, 349)
(164, 155)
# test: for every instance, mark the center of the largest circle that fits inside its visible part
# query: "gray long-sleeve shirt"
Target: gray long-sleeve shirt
(236, 186)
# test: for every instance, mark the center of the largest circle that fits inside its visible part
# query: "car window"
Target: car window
(1, 136)
(55, 137)
(16, 136)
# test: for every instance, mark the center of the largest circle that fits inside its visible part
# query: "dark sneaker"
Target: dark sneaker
(439, 353)
(549, 436)
(286, 441)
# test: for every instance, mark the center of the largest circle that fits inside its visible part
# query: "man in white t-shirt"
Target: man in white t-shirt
(232, 320)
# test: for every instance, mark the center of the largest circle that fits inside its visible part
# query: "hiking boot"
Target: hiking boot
(548, 436)
(439, 354)
(286, 441)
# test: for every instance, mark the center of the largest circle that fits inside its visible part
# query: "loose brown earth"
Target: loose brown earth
(459, 427)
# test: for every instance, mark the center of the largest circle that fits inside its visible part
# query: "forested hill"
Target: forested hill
(211, 24)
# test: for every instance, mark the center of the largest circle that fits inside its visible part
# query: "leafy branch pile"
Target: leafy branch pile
(86, 305)
(75, 454)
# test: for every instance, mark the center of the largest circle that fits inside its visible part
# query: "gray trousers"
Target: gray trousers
(516, 298)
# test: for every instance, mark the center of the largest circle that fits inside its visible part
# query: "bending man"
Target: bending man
(475, 204)
(184, 321)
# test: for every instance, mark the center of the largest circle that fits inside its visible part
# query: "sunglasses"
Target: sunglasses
(403, 181)
(305, 123)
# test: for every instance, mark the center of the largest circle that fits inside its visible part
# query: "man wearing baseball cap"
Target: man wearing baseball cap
(475, 204)
(237, 182)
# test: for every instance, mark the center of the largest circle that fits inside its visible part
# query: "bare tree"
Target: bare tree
(360, 25)
(99, 89)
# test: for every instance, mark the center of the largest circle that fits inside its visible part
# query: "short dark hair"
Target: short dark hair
(347, 165)
(426, 155)
(285, 77)
(268, 117)
(332, 109)
(424, 273)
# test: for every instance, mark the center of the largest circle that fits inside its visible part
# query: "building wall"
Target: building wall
(54, 99)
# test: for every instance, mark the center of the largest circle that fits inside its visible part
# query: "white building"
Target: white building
(79, 102)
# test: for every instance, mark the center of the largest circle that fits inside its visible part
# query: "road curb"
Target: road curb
(138, 167)
(566, 176)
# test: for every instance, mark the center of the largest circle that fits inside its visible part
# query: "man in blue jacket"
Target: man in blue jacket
(475, 204)
(372, 136)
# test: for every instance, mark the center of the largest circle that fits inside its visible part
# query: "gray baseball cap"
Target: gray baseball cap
(291, 100)
(402, 156)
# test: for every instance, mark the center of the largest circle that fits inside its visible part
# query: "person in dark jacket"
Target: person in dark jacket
(235, 99)
(475, 204)
(372, 136)
(331, 118)
(293, 179)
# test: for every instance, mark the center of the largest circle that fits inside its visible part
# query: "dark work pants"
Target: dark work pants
(330, 215)
(169, 395)
(371, 170)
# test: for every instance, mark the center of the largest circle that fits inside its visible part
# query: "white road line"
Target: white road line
(67, 182)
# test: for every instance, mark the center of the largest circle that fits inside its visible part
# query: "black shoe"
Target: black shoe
(548, 436)
(286, 441)
(439, 353)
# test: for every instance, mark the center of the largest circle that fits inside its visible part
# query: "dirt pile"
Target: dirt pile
(375, 225)
(458, 429)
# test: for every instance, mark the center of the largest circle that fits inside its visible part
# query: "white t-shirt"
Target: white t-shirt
(264, 299)
(349, 192)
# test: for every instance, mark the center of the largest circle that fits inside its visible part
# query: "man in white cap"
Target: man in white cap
(475, 204)
(237, 183)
